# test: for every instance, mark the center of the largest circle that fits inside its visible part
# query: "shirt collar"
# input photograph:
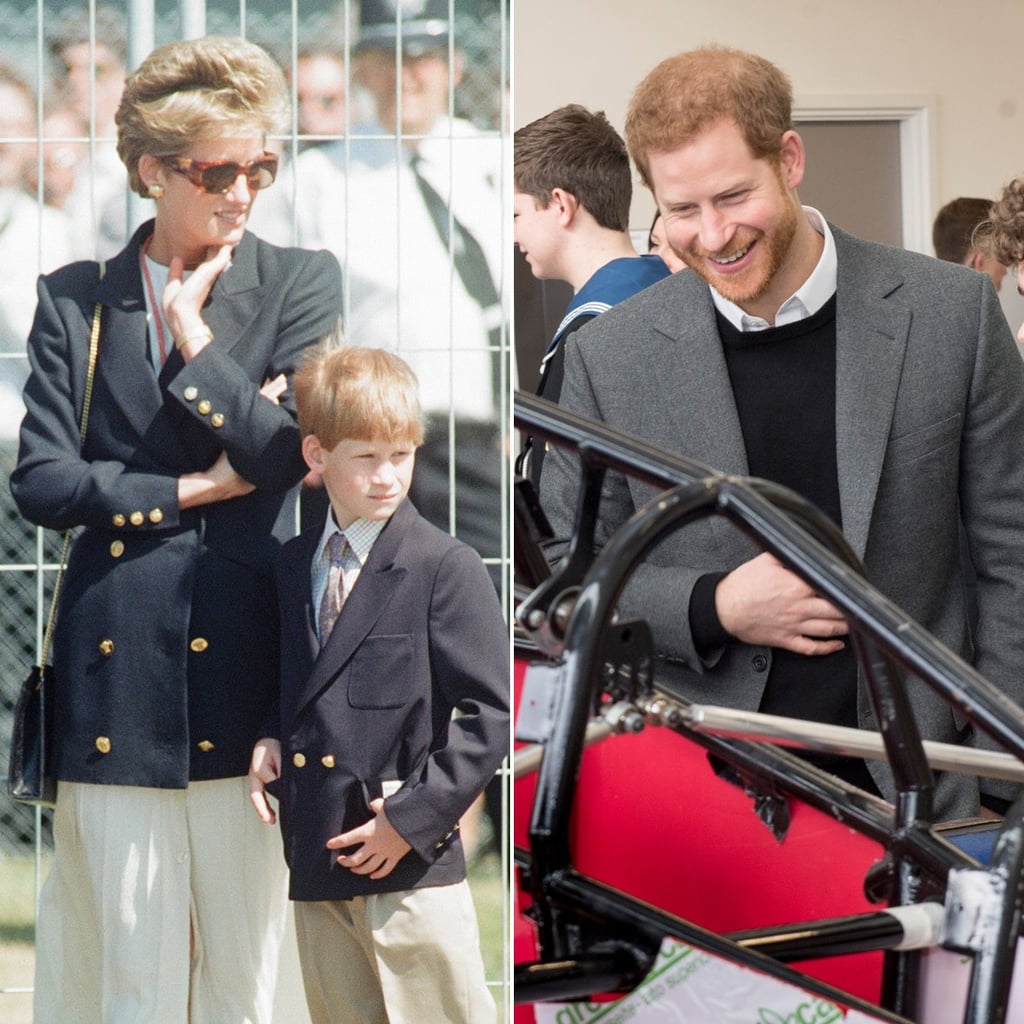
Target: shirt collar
(819, 287)
(360, 535)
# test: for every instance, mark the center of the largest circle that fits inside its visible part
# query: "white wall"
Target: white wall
(963, 57)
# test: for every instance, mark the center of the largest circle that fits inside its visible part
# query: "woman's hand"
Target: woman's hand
(221, 482)
(264, 767)
(182, 300)
(274, 389)
(218, 483)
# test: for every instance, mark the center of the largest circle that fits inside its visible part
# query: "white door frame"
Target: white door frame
(915, 115)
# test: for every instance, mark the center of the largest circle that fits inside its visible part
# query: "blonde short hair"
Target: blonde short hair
(354, 393)
(215, 87)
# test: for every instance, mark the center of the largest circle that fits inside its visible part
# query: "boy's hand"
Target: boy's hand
(382, 846)
(264, 767)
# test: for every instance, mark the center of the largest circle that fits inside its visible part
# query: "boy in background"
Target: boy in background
(953, 236)
(572, 192)
(372, 766)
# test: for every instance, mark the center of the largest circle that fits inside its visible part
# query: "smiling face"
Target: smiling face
(535, 230)
(734, 219)
(191, 222)
(364, 479)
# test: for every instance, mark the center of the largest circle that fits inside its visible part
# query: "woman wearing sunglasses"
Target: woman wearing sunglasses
(165, 899)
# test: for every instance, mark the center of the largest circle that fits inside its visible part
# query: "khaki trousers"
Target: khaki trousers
(161, 907)
(408, 957)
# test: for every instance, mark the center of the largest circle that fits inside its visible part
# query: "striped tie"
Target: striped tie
(334, 593)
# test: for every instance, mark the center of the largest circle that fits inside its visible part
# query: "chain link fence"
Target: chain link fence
(56, 182)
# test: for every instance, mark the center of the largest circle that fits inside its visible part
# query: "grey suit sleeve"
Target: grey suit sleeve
(657, 593)
(992, 501)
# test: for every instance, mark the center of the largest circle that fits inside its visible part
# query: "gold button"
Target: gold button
(217, 420)
(198, 644)
(327, 760)
(117, 548)
(156, 516)
(103, 744)
(107, 647)
(299, 760)
(119, 520)
(191, 393)
(203, 407)
(205, 746)
(136, 519)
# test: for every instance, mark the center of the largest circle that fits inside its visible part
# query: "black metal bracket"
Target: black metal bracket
(886, 642)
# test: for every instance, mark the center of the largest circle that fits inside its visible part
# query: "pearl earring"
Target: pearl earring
(155, 191)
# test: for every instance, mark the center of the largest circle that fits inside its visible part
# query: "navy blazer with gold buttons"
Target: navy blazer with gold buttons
(371, 714)
(165, 650)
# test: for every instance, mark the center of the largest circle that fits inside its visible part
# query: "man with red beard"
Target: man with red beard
(800, 354)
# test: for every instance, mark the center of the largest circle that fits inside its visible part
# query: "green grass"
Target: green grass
(17, 935)
(17, 930)
(489, 889)
(17, 900)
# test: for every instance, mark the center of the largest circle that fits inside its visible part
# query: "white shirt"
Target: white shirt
(401, 291)
(33, 240)
(819, 287)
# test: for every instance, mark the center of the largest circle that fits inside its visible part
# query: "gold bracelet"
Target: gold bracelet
(203, 333)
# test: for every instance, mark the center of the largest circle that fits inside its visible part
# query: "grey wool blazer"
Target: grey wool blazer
(929, 429)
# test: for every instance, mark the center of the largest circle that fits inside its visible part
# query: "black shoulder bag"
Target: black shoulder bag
(30, 775)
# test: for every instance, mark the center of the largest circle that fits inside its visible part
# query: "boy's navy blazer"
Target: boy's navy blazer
(420, 636)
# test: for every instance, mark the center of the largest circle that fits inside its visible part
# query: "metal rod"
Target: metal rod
(799, 734)
(915, 927)
(633, 918)
(837, 739)
(527, 759)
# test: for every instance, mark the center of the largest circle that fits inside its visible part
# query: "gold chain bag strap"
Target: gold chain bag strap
(30, 777)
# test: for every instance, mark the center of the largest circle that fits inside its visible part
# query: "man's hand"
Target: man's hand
(382, 846)
(762, 602)
(264, 767)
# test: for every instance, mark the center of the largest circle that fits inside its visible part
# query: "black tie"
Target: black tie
(470, 264)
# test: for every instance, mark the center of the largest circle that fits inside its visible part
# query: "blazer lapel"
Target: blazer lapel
(377, 583)
(232, 306)
(124, 343)
(124, 349)
(701, 421)
(871, 340)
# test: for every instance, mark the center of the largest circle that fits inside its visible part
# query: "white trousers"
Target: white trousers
(410, 957)
(160, 907)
